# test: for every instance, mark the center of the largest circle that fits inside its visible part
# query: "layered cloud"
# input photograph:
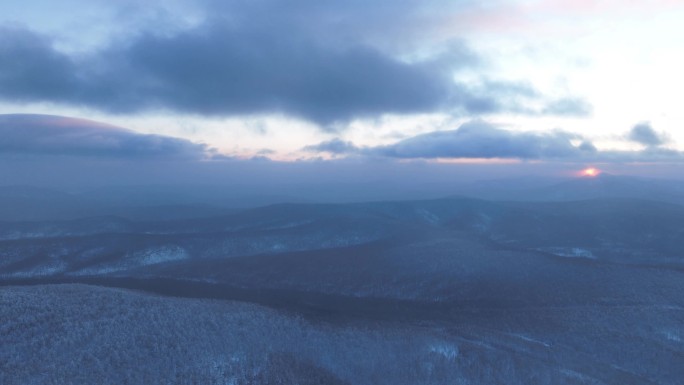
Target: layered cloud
(47, 135)
(37, 135)
(326, 63)
(644, 134)
(481, 140)
(334, 146)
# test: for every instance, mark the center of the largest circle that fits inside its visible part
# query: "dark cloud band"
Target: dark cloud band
(37, 135)
(261, 58)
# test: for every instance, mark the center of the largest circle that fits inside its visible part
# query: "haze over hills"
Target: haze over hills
(27, 203)
(603, 185)
(521, 291)
(619, 230)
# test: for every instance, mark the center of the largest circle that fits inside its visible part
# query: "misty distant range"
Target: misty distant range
(512, 281)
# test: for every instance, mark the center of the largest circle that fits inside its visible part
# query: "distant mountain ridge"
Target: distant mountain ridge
(619, 230)
(580, 188)
(26, 203)
(558, 287)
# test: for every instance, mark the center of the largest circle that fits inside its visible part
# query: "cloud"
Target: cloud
(647, 155)
(481, 140)
(644, 134)
(219, 70)
(328, 64)
(55, 135)
(478, 139)
(568, 107)
(492, 97)
(333, 146)
(386, 24)
(30, 69)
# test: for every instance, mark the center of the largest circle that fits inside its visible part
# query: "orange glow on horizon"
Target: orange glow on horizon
(590, 172)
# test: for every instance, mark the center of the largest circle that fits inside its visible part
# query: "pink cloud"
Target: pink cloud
(601, 7)
(552, 17)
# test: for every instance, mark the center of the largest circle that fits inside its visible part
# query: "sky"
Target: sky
(462, 88)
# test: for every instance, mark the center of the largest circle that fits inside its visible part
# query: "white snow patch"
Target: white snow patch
(289, 225)
(448, 351)
(578, 375)
(484, 223)
(529, 339)
(428, 216)
(41, 271)
(672, 335)
(161, 255)
(146, 257)
(22, 235)
(100, 270)
(569, 252)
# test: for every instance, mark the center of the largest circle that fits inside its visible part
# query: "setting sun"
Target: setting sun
(590, 172)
